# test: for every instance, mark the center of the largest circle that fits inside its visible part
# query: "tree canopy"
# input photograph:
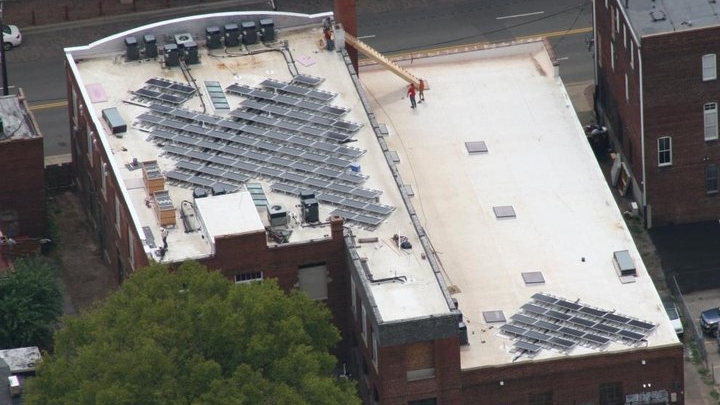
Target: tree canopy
(190, 336)
(30, 304)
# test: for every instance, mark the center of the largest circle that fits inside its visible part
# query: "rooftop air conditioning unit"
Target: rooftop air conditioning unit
(182, 39)
(277, 215)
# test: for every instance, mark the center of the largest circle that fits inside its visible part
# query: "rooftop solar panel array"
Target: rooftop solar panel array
(552, 322)
(213, 150)
(165, 91)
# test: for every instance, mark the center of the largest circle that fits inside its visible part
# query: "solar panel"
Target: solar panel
(523, 319)
(568, 305)
(563, 343)
(330, 198)
(340, 188)
(581, 321)
(182, 88)
(606, 328)
(283, 188)
(240, 178)
(324, 171)
(557, 315)
(365, 193)
(601, 340)
(531, 334)
(631, 335)
(570, 331)
(642, 325)
(544, 298)
(617, 318)
(547, 325)
(512, 329)
(533, 309)
(158, 82)
(174, 175)
(592, 311)
(308, 80)
(527, 346)
(379, 209)
(350, 216)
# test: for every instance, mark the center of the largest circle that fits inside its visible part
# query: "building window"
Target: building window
(313, 280)
(75, 112)
(90, 147)
(613, 18)
(624, 36)
(103, 180)
(131, 248)
(245, 278)
(420, 360)
(353, 297)
(617, 20)
(598, 51)
(632, 54)
(611, 394)
(117, 214)
(711, 179)
(606, 3)
(544, 398)
(711, 122)
(665, 151)
(375, 350)
(709, 67)
(612, 56)
(363, 321)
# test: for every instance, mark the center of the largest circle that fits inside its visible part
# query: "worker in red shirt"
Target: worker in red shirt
(411, 95)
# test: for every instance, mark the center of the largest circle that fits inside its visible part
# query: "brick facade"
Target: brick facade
(21, 162)
(669, 104)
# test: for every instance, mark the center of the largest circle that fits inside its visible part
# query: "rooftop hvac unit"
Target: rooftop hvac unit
(310, 210)
(191, 53)
(114, 120)
(150, 46)
(624, 264)
(232, 35)
(212, 37)
(172, 55)
(182, 39)
(305, 194)
(267, 30)
(199, 192)
(132, 52)
(249, 33)
(277, 215)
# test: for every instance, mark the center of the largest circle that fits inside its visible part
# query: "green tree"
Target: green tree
(191, 337)
(30, 304)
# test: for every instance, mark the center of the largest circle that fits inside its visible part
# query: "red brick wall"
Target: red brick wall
(673, 98)
(675, 95)
(23, 184)
(577, 379)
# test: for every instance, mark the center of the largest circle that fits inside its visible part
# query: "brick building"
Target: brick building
(657, 89)
(445, 242)
(22, 200)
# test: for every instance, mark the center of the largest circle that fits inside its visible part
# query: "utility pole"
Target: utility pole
(3, 65)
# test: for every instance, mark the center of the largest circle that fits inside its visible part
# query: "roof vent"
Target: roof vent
(624, 264)
(495, 316)
(658, 15)
(504, 212)
(533, 278)
(476, 147)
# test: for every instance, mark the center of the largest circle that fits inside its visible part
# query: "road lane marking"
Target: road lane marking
(47, 106)
(366, 36)
(519, 15)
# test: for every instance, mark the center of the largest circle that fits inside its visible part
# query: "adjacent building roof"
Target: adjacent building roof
(22, 359)
(16, 122)
(650, 17)
(491, 177)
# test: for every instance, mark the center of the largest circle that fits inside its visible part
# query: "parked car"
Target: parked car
(709, 320)
(11, 36)
(674, 315)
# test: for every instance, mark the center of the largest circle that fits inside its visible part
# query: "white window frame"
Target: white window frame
(353, 298)
(664, 145)
(617, 20)
(612, 55)
(632, 54)
(131, 248)
(246, 278)
(374, 351)
(714, 189)
(90, 145)
(606, 3)
(598, 50)
(624, 35)
(709, 67)
(117, 214)
(103, 180)
(363, 322)
(710, 120)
